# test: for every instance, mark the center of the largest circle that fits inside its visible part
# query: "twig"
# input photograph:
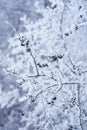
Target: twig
(70, 68)
(41, 91)
(83, 72)
(80, 109)
(12, 27)
(45, 114)
(14, 73)
(34, 63)
(82, 24)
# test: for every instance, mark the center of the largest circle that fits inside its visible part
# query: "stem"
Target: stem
(80, 109)
(35, 63)
(12, 27)
(45, 114)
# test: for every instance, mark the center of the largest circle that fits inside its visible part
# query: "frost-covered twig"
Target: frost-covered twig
(34, 63)
(7, 22)
(83, 72)
(80, 108)
(46, 116)
(82, 24)
(23, 39)
(14, 73)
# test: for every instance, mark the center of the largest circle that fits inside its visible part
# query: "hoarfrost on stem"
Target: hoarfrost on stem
(49, 61)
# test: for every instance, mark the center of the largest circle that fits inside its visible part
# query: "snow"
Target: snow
(49, 62)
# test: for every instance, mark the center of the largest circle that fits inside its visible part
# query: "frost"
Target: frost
(49, 62)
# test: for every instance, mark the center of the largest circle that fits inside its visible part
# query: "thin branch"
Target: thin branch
(30, 50)
(70, 69)
(70, 61)
(14, 73)
(83, 72)
(12, 27)
(61, 22)
(80, 109)
(41, 91)
(31, 76)
(70, 83)
(45, 114)
(34, 62)
(82, 24)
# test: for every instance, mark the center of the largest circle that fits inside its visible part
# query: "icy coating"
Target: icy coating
(43, 80)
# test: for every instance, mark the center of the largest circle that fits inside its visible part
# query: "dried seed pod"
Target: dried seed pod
(67, 34)
(22, 44)
(54, 98)
(60, 56)
(27, 42)
(28, 49)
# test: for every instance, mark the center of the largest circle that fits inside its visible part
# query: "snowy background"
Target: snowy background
(12, 10)
(43, 65)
